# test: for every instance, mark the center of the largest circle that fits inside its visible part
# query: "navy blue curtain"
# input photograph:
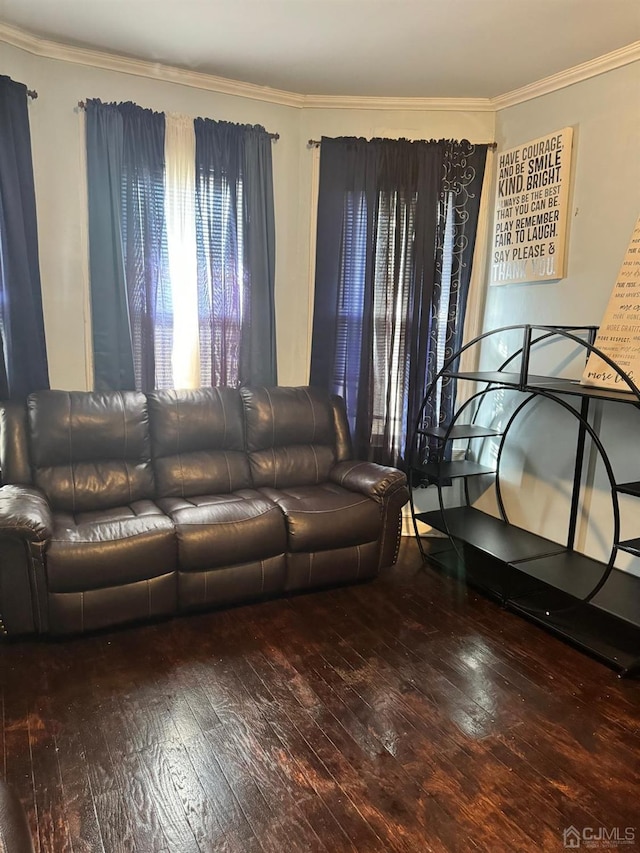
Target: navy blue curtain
(383, 247)
(146, 261)
(131, 304)
(23, 355)
(235, 236)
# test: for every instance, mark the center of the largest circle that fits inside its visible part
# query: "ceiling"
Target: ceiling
(383, 48)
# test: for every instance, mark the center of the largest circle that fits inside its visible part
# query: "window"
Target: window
(396, 230)
(189, 301)
(395, 242)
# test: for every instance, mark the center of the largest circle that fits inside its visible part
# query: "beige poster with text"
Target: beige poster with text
(619, 334)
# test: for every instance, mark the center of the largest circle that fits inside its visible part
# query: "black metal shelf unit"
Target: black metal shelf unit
(587, 602)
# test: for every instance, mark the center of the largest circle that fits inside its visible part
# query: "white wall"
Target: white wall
(604, 206)
(58, 154)
(603, 112)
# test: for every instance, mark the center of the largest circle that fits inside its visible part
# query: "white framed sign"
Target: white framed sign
(530, 216)
(619, 333)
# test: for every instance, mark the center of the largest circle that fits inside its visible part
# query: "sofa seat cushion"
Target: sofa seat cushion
(326, 516)
(110, 547)
(227, 529)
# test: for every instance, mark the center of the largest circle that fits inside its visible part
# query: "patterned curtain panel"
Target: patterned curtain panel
(396, 230)
(460, 208)
(23, 355)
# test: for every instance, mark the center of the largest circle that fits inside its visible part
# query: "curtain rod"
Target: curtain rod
(315, 143)
(274, 136)
(31, 93)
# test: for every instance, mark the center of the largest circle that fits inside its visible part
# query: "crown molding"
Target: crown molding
(171, 74)
(584, 71)
(141, 68)
(364, 102)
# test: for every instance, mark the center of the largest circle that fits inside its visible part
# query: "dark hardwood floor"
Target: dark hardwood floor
(407, 714)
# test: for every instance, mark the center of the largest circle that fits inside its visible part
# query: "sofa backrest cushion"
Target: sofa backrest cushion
(290, 436)
(15, 467)
(197, 441)
(90, 450)
(344, 447)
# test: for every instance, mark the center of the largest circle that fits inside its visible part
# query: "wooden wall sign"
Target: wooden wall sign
(619, 333)
(530, 217)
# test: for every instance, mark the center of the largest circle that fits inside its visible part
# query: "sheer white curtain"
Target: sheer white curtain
(180, 181)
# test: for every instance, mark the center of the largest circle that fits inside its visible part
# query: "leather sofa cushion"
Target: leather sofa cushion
(197, 440)
(90, 450)
(15, 466)
(294, 465)
(92, 609)
(291, 436)
(277, 416)
(337, 565)
(103, 548)
(326, 516)
(232, 584)
(15, 835)
(224, 530)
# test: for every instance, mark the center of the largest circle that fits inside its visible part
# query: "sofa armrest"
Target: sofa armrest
(24, 514)
(14, 829)
(375, 481)
(386, 486)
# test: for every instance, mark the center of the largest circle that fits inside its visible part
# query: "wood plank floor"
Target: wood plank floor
(407, 714)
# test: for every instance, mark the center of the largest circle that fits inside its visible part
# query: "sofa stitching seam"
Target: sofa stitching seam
(226, 459)
(350, 470)
(225, 521)
(126, 446)
(313, 415)
(178, 446)
(73, 478)
(108, 541)
(324, 511)
(224, 416)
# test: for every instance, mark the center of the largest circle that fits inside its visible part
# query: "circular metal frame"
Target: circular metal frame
(529, 341)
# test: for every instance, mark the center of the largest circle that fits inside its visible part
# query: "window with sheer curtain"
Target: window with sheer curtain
(181, 250)
(396, 227)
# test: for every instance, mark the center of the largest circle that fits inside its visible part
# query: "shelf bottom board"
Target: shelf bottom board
(491, 535)
(577, 575)
(539, 559)
(609, 639)
(541, 563)
(605, 636)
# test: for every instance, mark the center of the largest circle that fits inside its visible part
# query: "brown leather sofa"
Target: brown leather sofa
(15, 836)
(118, 507)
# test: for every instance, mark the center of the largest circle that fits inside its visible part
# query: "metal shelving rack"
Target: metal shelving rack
(588, 602)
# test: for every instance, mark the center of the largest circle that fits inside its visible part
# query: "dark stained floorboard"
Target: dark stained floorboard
(407, 714)
(415, 749)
